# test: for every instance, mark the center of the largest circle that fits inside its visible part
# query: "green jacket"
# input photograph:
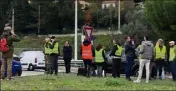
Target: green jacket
(10, 40)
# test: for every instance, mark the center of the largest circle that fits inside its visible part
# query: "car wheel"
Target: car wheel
(31, 67)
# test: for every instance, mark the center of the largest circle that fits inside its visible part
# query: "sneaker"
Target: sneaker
(12, 78)
(137, 81)
(146, 81)
(2, 79)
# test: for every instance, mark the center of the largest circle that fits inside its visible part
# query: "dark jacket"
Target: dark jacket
(67, 52)
(10, 39)
(52, 46)
(129, 50)
(86, 43)
(114, 49)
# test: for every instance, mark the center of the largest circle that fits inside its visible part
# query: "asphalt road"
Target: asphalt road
(40, 72)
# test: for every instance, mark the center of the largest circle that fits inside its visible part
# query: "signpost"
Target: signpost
(88, 32)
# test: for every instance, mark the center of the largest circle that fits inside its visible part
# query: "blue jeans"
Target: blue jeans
(128, 68)
(173, 67)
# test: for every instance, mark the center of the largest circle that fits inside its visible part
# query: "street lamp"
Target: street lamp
(76, 32)
(39, 19)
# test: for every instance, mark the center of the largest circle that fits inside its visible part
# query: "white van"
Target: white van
(32, 60)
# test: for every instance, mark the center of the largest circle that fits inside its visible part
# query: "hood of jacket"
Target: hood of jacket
(86, 43)
(147, 43)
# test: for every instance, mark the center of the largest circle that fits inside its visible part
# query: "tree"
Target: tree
(23, 14)
(136, 23)
(161, 14)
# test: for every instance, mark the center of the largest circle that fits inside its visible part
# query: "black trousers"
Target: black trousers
(87, 65)
(54, 64)
(116, 67)
(159, 66)
(67, 62)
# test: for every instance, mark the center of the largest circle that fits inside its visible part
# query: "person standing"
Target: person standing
(54, 45)
(99, 59)
(116, 53)
(88, 53)
(130, 55)
(67, 56)
(160, 57)
(172, 59)
(47, 52)
(10, 37)
(146, 53)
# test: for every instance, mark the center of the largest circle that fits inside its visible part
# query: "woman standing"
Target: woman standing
(67, 56)
(99, 59)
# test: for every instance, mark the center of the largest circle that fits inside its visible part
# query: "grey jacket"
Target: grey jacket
(147, 50)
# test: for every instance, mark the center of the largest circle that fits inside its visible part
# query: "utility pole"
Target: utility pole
(119, 32)
(38, 19)
(13, 19)
(76, 30)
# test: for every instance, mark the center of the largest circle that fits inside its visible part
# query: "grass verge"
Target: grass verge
(73, 82)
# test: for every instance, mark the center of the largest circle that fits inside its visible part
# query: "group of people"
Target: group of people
(52, 51)
(153, 57)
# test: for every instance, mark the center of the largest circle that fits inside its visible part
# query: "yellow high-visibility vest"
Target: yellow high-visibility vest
(55, 49)
(47, 50)
(119, 51)
(172, 54)
(160, 53)
(99, 56)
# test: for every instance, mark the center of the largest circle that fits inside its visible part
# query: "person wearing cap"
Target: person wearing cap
(172, 59)
(11, 37)
(55, 52)
(160, 57)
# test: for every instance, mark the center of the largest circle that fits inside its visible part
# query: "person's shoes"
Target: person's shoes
(137, 81)
(12, 78)
(146, 81)
(2, 79)
(129, 79)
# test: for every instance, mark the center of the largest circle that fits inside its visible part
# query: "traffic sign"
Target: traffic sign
(88, 31)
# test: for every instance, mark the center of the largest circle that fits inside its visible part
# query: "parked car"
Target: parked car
(16, 66)
(135, 67)
(32, 60)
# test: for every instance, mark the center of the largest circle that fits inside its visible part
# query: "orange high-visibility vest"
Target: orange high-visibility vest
(87, 52)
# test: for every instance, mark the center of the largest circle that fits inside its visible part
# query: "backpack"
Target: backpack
(3, 45)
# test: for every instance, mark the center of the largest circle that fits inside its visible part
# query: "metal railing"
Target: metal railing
(74, 63)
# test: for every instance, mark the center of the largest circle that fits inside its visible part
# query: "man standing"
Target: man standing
(130, 55)
(172, 59)
(47, 52)
(116, 53)
(160, 57)
(9, 37)
(54, 55)
(146, 53)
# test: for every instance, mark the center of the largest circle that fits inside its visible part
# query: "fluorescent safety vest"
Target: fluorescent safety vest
(55, 49)
(119, 51)
(160, 53)
(172, 54)
(87, 52)
(99, 56)
(47, 50)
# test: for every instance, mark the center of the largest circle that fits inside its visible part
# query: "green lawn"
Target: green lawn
(73, 82)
